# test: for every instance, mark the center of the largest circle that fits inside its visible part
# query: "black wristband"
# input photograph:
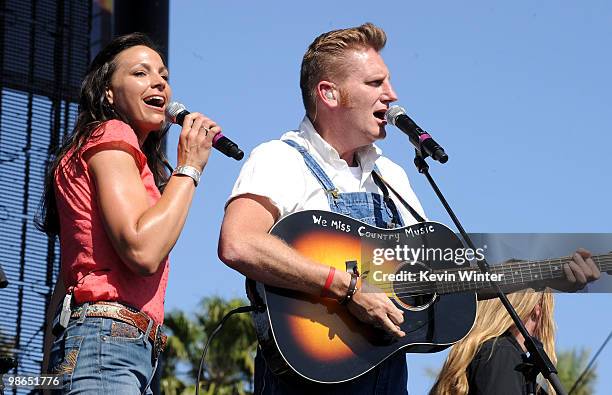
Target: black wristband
(352, 288)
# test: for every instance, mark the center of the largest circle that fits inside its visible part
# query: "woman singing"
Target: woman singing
(118, 215)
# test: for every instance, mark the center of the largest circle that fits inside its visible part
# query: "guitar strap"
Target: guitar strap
(385, 187)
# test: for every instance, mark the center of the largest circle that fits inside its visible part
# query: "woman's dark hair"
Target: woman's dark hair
(95, 109)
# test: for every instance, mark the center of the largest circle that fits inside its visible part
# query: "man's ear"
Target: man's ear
(326, 91)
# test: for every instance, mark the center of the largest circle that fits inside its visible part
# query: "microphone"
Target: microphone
(397, 117)
(176, 112)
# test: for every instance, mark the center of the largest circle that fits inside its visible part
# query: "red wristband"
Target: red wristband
(328, 282)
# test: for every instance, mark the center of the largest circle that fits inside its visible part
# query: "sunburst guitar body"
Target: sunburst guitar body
(424, 269)
(318, 338)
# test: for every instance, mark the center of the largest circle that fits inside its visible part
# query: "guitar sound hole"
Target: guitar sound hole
(417, 302)
(411, 293)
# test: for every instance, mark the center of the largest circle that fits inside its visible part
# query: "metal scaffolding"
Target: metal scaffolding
(45, 49)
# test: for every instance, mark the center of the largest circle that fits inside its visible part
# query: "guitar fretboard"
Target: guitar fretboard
(463, 279)
(524, 272)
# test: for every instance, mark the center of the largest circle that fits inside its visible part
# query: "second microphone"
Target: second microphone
(176, 112)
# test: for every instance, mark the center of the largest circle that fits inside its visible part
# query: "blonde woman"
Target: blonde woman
(484, 361)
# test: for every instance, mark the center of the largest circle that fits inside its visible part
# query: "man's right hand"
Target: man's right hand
(372, 306)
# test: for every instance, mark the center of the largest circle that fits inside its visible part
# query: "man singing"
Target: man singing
(330, 163)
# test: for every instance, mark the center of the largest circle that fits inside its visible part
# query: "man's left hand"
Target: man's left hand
(578, 272)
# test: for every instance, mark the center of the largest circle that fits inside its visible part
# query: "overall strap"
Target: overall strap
(315, 168)
(383, 185)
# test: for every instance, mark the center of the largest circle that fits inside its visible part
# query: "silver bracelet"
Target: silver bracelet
(189, 171)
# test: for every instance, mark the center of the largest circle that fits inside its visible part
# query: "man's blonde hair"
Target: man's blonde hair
(325, 57)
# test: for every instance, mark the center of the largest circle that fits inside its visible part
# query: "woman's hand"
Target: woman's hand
(196, 140)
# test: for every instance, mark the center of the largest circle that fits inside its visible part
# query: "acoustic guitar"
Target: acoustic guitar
(423, 268)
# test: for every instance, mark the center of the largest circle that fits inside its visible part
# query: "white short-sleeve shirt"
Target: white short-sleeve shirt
(278, 172)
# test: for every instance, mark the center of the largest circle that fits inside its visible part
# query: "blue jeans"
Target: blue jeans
(102, 356)
(388, 378)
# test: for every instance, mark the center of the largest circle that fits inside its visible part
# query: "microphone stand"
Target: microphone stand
(537, 361)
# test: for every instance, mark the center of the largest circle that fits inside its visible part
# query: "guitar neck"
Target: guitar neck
(513, 273)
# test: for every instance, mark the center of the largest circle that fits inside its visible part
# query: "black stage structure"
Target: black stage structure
(45, 47)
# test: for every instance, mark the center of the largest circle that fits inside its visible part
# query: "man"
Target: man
(327, 164)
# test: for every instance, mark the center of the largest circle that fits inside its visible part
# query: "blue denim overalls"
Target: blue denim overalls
(391, 376)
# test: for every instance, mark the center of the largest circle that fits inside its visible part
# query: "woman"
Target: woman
(483, 362)
(118, 215)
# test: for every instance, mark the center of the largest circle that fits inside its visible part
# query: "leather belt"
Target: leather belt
(122, 313)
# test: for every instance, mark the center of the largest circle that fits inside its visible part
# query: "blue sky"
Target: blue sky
(518, 93)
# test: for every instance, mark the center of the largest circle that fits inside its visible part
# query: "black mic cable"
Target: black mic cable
(589, 365)
(241, 309)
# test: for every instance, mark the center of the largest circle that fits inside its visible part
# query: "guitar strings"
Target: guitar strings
(527, 268)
